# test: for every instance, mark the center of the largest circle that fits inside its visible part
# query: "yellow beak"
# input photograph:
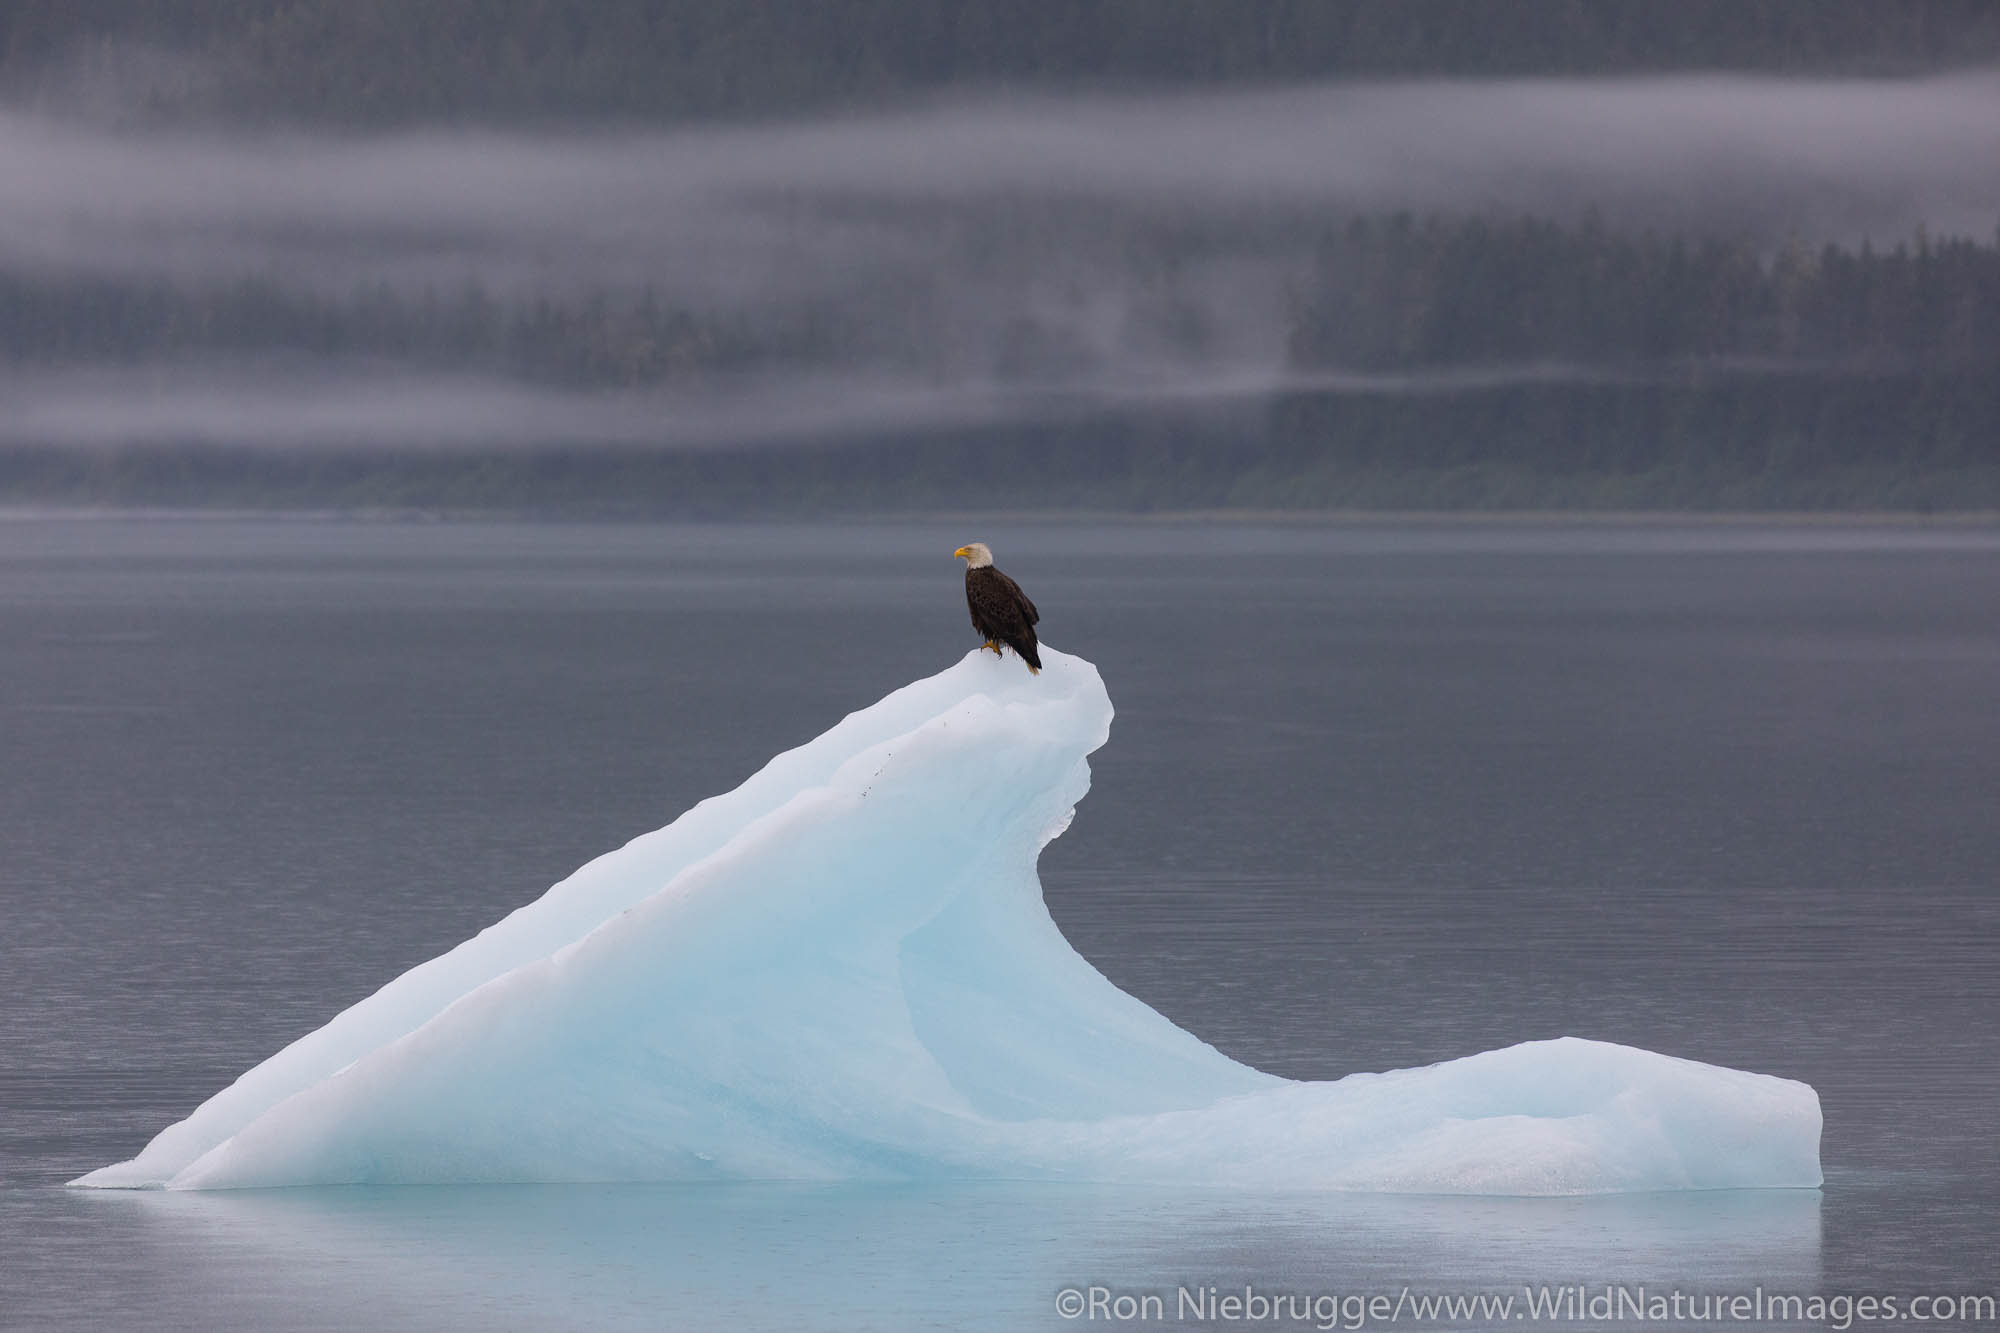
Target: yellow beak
(962, 553)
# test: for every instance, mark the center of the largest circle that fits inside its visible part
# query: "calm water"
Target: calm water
(1377, 795)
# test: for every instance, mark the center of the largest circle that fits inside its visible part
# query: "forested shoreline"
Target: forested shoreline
(1392, 293)
(1025, 342)
(1443, 363)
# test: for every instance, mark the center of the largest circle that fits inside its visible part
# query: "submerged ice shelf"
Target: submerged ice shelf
(844, 969)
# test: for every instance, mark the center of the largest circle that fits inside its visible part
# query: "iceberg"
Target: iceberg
(844, 969)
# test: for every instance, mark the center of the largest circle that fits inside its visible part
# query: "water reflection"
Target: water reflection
(861, 1256)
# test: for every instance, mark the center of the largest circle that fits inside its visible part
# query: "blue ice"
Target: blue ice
(844, 970)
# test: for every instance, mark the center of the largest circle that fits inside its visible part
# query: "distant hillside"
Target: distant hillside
(1676, 449)
(1448, 363)
(387, 61)
(1134, 349)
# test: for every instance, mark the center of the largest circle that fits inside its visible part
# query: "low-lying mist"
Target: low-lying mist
(974, 260)
(383, 407)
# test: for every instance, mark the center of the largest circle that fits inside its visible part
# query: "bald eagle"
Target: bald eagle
(1000, 610)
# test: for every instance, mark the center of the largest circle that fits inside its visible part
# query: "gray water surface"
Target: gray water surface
(1377, 795)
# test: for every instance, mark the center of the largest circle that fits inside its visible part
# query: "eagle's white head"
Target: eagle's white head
(975, 555)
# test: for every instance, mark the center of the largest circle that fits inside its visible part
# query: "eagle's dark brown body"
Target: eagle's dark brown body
(1002, 613)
